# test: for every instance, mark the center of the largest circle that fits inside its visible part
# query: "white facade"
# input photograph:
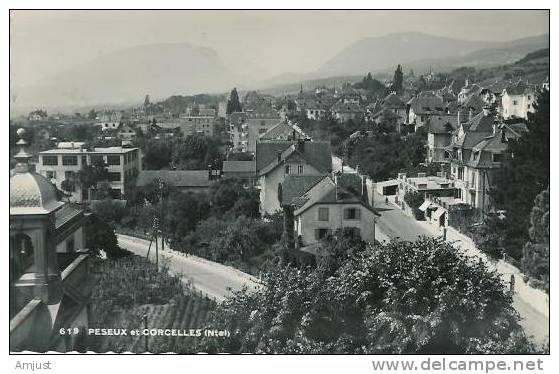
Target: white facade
(517, 106)
(58, 165)
(269, 202)
(323, 219)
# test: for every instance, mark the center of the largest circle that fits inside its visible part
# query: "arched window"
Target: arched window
(21, 255)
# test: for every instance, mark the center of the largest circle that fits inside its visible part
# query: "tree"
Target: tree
(230, 195)
(92, 114)
(90, 175)
(419, 297)
(535, 258)
(68, 185)
(523, 176)
(157, 155)
(101, 236)
(414, 199)
(233, 104)
(398, 80)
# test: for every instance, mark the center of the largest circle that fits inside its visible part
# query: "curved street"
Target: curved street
(212, 279)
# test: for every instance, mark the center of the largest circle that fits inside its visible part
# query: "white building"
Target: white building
(517, 101)
(66, 161)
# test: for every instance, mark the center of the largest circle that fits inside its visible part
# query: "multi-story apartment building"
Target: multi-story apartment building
(65, 162)
(192, 125)
(476, 152)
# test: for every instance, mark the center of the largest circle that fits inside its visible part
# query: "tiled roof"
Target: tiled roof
(177, 178)
(520, 88)
(267, 151)
(66, 214)
(282, 131)
(442, 124)
(342, 107)
(392, 101)
(31, 193)
(426, 104)
(296, 185)
(239, 166)
(316, 154)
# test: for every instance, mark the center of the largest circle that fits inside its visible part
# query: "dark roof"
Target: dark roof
(342, 107)
(267, 151)
(442, 124)
(296, 185)
(282, 131)
(481, 123)
(65, 214)
(392, 101)
(519, 88)
(239, 166)
(426, 104)
(316, 154)
(177, 178)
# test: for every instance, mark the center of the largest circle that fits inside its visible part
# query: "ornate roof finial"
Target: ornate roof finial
(22, 156)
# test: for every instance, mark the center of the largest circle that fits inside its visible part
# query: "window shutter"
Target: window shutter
(346, 213)
(357, 213)
(317, 234)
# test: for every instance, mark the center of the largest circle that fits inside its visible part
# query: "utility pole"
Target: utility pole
(145, 318)
(162, 222)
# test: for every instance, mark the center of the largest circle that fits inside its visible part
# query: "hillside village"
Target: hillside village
(251, 181)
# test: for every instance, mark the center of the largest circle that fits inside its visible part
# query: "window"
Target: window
(300, 169)
(497, 157)
(50, 160)
(287, 169)
(352, 232)
(113, 159)
(352, 213)
(69, 160)
(321, 233)
(114, 176)
(514, 102)
(51, 174)
(323, 214)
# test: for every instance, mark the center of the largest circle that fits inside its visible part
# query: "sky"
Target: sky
(43, 43)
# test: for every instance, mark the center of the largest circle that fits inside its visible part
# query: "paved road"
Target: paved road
(396, 224)
(215, 280)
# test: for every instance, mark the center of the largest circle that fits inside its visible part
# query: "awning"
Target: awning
(438, 213)
(425, 205)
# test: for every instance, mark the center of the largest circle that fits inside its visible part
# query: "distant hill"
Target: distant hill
(419, 51)
(129, 74)
(532, 68)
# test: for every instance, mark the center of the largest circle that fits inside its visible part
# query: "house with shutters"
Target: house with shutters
(317, 207)
(277, 159)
